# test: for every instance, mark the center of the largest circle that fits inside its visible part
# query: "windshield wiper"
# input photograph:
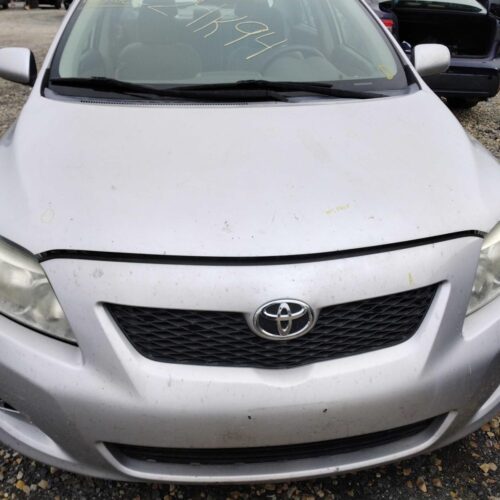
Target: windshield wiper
(320, 88)
(240, 90)
(105, 85)
(234, 93)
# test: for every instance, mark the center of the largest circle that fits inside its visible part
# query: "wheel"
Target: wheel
(5, 5)
(58, 4)
(461, 103)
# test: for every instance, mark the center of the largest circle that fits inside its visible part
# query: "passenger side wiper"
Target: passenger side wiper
(105, 85)
(308, 87)
(102, 84)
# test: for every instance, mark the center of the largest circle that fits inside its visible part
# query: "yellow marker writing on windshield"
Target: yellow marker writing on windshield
(265, 45)
(246, 34)
(216, 23)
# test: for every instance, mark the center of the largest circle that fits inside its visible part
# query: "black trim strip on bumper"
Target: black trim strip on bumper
(266, 454)
(249, 261)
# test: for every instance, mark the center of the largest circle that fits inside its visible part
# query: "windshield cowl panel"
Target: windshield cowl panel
(162, 44)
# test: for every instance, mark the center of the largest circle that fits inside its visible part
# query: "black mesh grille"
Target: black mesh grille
(212, 338)
(230, 456)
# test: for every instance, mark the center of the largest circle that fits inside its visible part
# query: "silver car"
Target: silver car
(242, 241)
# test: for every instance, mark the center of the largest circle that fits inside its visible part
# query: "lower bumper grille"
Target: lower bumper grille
(211, 338)
(231, 456)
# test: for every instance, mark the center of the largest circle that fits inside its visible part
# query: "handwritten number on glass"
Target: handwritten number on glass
(247, 29)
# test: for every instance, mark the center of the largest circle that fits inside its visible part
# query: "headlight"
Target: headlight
(487, 284)
(26, 295)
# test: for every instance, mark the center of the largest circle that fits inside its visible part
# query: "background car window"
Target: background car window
(495, 7)
(473, 6)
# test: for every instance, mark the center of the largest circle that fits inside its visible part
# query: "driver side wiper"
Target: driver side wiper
(236, 93)
(320, 88)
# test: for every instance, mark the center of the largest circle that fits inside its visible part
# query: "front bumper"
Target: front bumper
(72, 400)
(472, 78)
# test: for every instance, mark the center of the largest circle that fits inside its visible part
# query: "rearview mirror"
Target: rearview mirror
(431, 59)
(18, 65)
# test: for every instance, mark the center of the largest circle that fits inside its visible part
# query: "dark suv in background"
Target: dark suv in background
(388, 18)
(57, 4)
(470, 29)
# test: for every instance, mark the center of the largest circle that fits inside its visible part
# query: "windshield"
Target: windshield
(172, 43)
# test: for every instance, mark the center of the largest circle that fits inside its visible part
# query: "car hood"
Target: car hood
(241, 180)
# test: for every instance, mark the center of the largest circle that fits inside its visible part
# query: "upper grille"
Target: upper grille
(211, 338)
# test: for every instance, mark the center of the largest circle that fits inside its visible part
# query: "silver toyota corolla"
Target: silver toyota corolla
(241, 241)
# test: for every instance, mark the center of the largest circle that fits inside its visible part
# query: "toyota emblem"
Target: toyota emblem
(283, 320)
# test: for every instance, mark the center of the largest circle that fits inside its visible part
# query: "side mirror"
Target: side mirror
(431, 59)
(18, 65)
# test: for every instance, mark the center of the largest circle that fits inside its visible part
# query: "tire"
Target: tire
(5, 5)
(459, 103)
(57, 4)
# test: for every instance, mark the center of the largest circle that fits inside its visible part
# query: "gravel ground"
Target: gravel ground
(464, 470)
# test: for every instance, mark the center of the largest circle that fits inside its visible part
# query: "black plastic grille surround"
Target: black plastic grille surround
(211, 338)
(232, 456)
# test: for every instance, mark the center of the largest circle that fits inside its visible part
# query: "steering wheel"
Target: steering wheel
(305, 49)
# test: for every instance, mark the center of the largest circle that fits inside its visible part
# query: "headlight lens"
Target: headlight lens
(487, 285)
(26, 295)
